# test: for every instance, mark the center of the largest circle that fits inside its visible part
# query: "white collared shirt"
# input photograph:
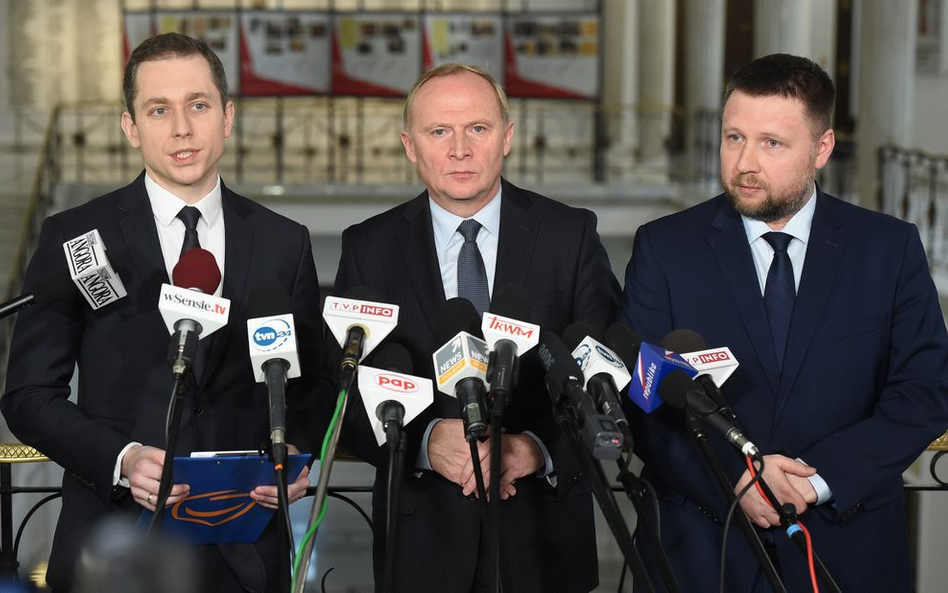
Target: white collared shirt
(448, 242)
(210, 228)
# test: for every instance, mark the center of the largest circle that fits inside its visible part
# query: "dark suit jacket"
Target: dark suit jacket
(554, 252)
(121, 350)
(864, 386)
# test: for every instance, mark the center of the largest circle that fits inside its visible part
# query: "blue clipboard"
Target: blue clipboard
(219, 509)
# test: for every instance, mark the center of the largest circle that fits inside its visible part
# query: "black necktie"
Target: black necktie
(190, 216)
(779, 292)
(472, 275)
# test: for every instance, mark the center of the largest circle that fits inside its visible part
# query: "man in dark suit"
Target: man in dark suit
(457, 132)
(832, 314)
(110, 440)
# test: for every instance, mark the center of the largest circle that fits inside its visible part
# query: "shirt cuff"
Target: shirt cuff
(422, 462)
(547, 470)
(823, 492)
(117, 478)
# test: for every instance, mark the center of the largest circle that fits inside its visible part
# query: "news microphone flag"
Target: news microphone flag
(271, 338)
(497, 327)
(651, 366)
(176, 303)
(461, 357)
(91, 271)
(594, 358)
(377, 386)
(718, 363)
(376, 319)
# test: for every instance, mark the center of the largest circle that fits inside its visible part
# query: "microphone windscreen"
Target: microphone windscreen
(674, 388)
(684, 340)
(363, 293)
(557, 361)
(624, 342)
(268, 299)
(577, 331)
(394, 357)
(511, 301)
(197, 269)
(458, 315)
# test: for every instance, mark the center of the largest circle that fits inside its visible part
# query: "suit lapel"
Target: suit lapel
(417, 243)
(141, 235)
(729, 244)
(518, 233)
(238, 244)
(823, 254)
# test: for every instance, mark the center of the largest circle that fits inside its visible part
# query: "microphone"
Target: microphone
(189, 309)
(564, 380)
(682, 393)
(717, 363)
(508, 338)
(359, 323)
(461, 363)
(91, 271)
(392, 398)
(651, 365)
(271, 337)
(606, 373)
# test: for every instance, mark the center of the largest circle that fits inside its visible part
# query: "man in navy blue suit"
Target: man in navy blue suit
(830, 309)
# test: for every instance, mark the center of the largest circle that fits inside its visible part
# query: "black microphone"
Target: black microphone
(686, 340)
(461, 363)
(564, 380)
(391, 412)
(679, 391)
(508, 336)
(273, 354)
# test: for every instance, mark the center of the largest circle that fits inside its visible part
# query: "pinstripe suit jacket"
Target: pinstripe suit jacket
(548, 540)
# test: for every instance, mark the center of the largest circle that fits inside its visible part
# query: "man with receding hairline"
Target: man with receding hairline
(457, 132)
(833, 316)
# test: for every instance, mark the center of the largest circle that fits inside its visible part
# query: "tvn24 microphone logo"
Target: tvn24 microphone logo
(272, 334)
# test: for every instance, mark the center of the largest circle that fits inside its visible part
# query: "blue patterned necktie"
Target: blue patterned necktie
(472, 275)
(779, 292)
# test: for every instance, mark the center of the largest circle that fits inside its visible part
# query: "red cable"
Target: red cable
(806, 532)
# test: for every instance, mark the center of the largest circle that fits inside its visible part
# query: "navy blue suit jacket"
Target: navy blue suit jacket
(124, 378)
(864, 386)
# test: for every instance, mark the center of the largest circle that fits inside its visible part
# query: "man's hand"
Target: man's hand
(450, 455)
(788, 480)
(267, 495)
(520, 456)
(142, 466)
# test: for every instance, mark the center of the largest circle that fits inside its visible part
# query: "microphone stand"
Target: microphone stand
(604, 496)
(502, 378)
(697, 430)
(395, 436)
(276, 380)
(635, 490)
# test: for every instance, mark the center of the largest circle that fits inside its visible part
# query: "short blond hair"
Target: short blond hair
(449, 69)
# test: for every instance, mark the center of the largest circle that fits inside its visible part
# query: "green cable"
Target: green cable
(322, 512)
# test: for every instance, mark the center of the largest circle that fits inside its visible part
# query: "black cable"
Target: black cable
(730, 514)
(396, 461)
(479, 477)
(172, 424)
(625, 569)
(283, 504)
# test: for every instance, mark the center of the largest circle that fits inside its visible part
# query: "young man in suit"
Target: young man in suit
(110, 440)
(832, 314)
(457, 132)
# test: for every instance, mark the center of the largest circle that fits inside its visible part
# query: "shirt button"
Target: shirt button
(198, 410)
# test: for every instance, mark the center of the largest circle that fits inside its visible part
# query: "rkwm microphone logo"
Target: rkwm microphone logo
(509, 328)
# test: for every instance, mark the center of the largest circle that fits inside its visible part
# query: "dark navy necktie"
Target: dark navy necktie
(190, 216)
(472, 275)
(779, 292)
